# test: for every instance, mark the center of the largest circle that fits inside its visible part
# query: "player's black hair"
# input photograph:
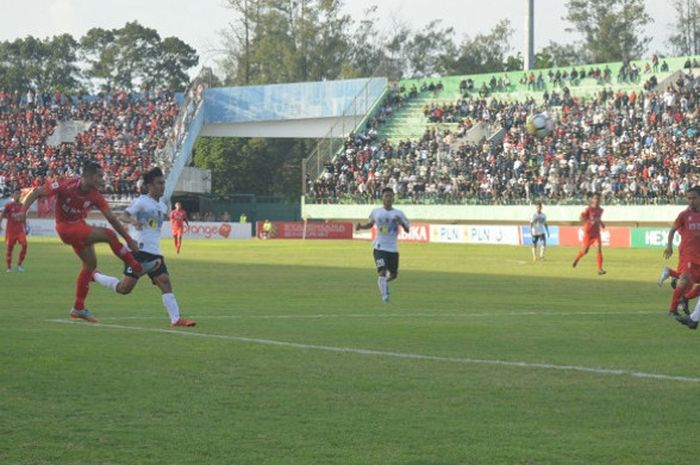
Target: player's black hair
(150, 175)
(695, 189)
(91, 167)
(387, 189)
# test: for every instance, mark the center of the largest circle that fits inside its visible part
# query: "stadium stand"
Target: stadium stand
(621, 130)
(124, 131)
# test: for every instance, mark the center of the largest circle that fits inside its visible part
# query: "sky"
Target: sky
(199, 22)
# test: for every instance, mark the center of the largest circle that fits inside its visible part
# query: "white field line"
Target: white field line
(401, 355)
(384, 315)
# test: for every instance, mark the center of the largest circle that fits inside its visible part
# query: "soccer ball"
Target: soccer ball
(540, 125)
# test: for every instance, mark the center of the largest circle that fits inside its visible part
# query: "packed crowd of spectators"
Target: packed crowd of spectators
(636, 147)
(561, 78)
(124, 131)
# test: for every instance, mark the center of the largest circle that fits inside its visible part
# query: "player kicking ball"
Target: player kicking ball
(687, 224)
(147, 214)
(75, 197)
(385, 247)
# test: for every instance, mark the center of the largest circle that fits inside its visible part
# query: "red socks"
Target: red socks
(81, 289)
(122, 251)
(22, 253)
(692, 293)
(599, 260)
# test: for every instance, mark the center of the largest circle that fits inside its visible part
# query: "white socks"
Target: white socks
(534, 253)
(381, 282)
(542, 252)
(171, 306)
(695, 316)
(109, 282)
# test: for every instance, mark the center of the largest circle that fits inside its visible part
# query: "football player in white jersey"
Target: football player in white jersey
(146, 214)
(538, 228)
(385, 246)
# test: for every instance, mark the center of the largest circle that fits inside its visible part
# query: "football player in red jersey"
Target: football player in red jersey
(75, 197)
(592, 223)
(177, 218)
(688, 226)
(14, 231)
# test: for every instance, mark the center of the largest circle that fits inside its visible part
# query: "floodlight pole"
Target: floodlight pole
(529, 55)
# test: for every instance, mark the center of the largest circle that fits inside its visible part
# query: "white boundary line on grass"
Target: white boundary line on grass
(384, 315)
(401, 355)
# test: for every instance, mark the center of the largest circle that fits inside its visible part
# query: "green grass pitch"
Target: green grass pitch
(481, 357)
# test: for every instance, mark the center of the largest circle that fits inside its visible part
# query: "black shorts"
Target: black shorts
(386, 261)
(538, 237)
(147, 257)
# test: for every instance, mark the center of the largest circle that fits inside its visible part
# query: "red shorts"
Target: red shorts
(692, 268)
(590, 240)
(11, 238)
(178, 232)
(75, 234)
(15, 236)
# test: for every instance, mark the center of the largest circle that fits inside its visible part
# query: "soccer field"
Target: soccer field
(481, 357)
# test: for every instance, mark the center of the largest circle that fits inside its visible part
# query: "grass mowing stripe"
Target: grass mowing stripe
(383, 315)
(403, 355)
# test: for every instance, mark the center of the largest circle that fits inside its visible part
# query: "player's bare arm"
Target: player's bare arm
(126, 218)
(29, 200)
(119, 227)
(668, 252)
(359, 226)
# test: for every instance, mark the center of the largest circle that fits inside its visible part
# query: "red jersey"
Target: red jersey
(10, 211)
(177, 218)
(592, 218)
(688, 226)
(72, 204)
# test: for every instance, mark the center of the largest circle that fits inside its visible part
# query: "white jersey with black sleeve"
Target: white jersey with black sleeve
(387, 222)
(149, 215)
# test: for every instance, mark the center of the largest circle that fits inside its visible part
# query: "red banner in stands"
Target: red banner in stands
(612, 237)
(299, 230)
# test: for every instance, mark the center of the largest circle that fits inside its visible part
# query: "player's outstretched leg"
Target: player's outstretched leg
(693, 292)
(579, 255)
(665, 274)
(691, 321)
(677, 297)
(110, 282)
(118, 249)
